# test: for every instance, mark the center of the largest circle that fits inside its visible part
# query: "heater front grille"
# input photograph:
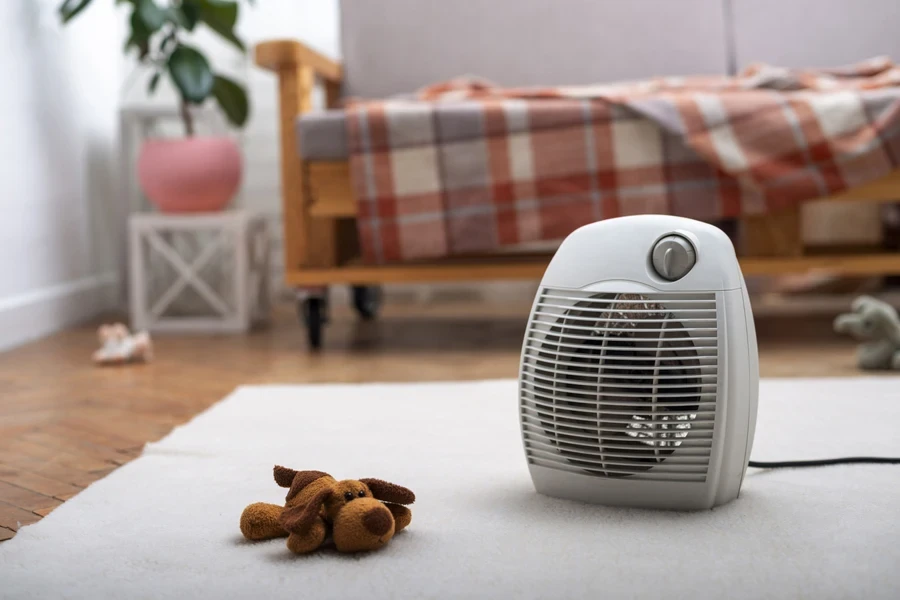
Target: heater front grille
(621, 385)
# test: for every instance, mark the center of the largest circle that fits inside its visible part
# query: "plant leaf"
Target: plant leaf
(154, 81)
(191, 74)
(69, 9)
(185, 15)
(221, 17)
(151, 15)
(232, 99)
(140, 36)
(225, 10)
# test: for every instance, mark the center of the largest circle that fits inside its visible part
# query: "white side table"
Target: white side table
(198, 273)
(138, 122)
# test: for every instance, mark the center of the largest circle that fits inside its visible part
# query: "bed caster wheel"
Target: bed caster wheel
(367, 300)
(313, 313)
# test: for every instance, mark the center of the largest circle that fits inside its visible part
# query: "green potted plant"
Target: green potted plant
(194, 173)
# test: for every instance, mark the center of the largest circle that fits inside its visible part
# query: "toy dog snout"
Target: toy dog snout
(848, 323)
(378, 521)
(363, 524)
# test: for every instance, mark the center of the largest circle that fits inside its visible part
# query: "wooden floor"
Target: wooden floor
(65, 423)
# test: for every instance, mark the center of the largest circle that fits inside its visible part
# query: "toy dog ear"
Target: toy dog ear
(389, 492)
(296, 480)
(299, 518)
(284, 476)
(863, 303)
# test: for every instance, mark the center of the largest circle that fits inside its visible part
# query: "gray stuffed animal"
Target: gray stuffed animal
(877, 325)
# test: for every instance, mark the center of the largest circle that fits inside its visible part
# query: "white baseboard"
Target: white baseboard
(33, 315)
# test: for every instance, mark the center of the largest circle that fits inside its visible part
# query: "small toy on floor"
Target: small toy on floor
(877, 325)
(119, 346)
(359, 514)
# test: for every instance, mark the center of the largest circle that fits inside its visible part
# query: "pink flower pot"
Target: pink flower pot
(198, 174)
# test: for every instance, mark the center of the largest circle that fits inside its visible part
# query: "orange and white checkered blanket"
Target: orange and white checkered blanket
(465, 166)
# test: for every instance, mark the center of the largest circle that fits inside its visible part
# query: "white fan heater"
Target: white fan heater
(639, 373)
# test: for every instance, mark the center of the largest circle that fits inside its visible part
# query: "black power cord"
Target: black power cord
(823, 462)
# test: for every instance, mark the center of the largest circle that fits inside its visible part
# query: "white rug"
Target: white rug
(166, 525)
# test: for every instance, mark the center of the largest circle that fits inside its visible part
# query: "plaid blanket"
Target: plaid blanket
(466, 167)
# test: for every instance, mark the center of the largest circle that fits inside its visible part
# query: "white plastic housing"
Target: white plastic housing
(635, 390)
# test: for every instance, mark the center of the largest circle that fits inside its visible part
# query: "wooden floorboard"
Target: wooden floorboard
(13, 517)
(65, 423)
(51, 481)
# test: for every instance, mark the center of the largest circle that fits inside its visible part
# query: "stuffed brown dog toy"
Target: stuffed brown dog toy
(359, 514)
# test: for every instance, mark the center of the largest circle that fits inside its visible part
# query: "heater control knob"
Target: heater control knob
(672, 257)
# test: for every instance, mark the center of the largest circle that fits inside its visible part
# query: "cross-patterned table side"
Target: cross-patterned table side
(239, 238)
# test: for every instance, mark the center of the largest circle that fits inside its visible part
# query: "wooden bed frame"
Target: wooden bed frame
(321, 247)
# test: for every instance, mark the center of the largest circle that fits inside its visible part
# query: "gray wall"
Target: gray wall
(815, 33)
(57, 166)
(397, 46)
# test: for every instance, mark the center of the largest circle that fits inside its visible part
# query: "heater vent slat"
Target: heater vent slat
(705, 363)
(636, 390)
(621, 385)
(630, 404)
(610, 423)
(665, 411)
(636, 301)
(638, 336)
(647, 475)
(670, 465)
(534, 425)
(532, 357)
(538, 390)
(539, 365)
(594, 320)
(688, 453)
(688, 344)
(644, 333)
(692, 312)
